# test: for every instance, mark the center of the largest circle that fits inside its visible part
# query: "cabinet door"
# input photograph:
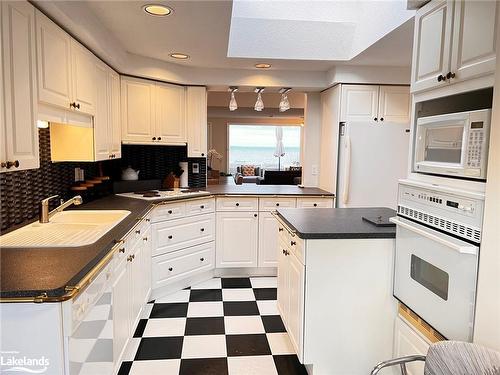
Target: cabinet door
(114, 114)
(101, 118)
(137, 285)
(137, 98)
(268, 240)
(170, 114)
(359, 103)
(295, 320)
(146, 265)
(408, 342)
(121, 309)
(283, 274)
(474, 32)
(54, 63)
(236, 239)
(394, 104)
(431, 44)
(83, 78)
(18, 64)
(196, 121)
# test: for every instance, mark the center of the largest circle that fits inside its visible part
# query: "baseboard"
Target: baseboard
(245, 272)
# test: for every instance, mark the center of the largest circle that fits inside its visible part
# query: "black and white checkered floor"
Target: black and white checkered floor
(221, 326)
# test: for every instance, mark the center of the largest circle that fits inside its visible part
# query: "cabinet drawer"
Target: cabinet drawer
(271, 204)
(168, 268)
(174, 235)
(292, 243)
(237, 204)
(312, 202)
(200, 206)
(168, 212)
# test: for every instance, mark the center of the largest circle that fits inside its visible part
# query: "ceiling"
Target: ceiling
(202, 30)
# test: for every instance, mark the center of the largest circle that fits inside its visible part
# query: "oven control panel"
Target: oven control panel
(440, 200)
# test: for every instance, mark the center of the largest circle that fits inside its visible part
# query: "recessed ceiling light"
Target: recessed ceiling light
(262, 66)
(157, 10)
(180, 56)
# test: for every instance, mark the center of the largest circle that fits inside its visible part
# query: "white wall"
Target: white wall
(330, 115)
(311, 140)
(487, 325)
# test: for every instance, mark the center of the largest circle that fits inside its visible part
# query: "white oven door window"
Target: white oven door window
(435, 276)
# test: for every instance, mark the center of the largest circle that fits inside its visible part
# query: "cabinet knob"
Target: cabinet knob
(284, 251)
(11, 164)
(3, 164)
(170, 211)
(375, 119)
(450, 75)
(202, 259)
(159, 138)
(130, 258)
(441, 78)
(280, 229)
(154, 138)
(170, 269)
(121, 250)
(145, 239)
(202, 229)
(315, 205)
(381, 119)
(77, 105)
(237, 204)
(202, 154)
(148, 220)
(170, 237)
(293, 243)
(72, 105)
(138, 231)
(254, 215)
(202, 207)
(277, 204)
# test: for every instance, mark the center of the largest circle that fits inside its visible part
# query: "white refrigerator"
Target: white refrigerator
(373, 156)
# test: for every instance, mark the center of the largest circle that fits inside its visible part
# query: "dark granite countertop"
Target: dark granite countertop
(254, 189)
(337, 223)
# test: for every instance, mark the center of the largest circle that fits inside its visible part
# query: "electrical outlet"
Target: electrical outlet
(196, 168)
(314, 169)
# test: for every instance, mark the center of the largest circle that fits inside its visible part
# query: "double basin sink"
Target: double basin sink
(65, 229)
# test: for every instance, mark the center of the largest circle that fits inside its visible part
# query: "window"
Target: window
(256, 145)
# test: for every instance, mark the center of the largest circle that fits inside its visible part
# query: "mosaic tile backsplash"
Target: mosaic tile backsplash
(21, 191)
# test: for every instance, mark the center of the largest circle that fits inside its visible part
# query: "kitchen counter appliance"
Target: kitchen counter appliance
(437, 250)
(165, 194)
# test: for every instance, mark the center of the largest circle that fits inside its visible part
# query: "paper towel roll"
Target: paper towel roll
(184, 176)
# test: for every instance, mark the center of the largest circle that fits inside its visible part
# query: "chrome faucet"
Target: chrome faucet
(45, 215)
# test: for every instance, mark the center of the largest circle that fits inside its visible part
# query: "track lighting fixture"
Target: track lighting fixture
(233, 106)
(259, 104)
(284, 103)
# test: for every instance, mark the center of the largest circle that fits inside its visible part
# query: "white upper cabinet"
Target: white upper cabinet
(137, 99)
(453, 41)
(197, 121)
(19, 133)
(66, 73)
(473, 46)
(394, 104)
(115, 114)
(431, 45)
(170, 113)
(359, 103)
(373, 103)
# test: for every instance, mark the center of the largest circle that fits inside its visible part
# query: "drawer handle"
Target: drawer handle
(277, 204)
(293, 243)
(138, 231)
(145, 238)
(202, 259)
(121, 250)
(315, 205)
(286, 252)
(131, 258)
(170, 237)
(280, 229)
(237, 204)
(170, 269)
(202, 207)
(169, 211)
(148, 220)
(202, 229)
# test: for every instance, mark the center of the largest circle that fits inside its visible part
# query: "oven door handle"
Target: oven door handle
(462, 247)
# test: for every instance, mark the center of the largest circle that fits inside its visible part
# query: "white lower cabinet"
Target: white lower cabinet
(314, 202)
(121, 317)
(236, 239)
(268, 241)
(408, 341)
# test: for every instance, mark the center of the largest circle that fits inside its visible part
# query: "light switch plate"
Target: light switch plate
(196, 168)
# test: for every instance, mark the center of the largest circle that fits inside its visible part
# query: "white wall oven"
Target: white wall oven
(453, 144)
(437, 251)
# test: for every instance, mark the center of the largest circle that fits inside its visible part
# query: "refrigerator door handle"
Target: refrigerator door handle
(347, 168)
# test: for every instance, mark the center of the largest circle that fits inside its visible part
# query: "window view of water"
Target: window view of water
(255, 145)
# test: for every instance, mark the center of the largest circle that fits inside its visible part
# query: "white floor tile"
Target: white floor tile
(280, 343)
(81, 348)
(131, 349)
(238, 294)
(158, 367)
(165, 327)
(264, 282)
(180, 296)
(214, 283)
(235, 325)
(107, 331)
(146, 310)
(205, 346)
(252, 365)
(268, 307)
(92, 368)
(205, 309)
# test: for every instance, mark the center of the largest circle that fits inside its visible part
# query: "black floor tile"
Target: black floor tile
(236, 282)
(244, 345)
(151, 348)
(204, 366)
(273, 323)
(289, 365)
(240, 308)
(125, 368)
(139, 331)
(205, 295)
(205, 326)
(265, 293)
(169, 310)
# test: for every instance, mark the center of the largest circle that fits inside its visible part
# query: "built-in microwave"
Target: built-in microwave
(454, 144)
